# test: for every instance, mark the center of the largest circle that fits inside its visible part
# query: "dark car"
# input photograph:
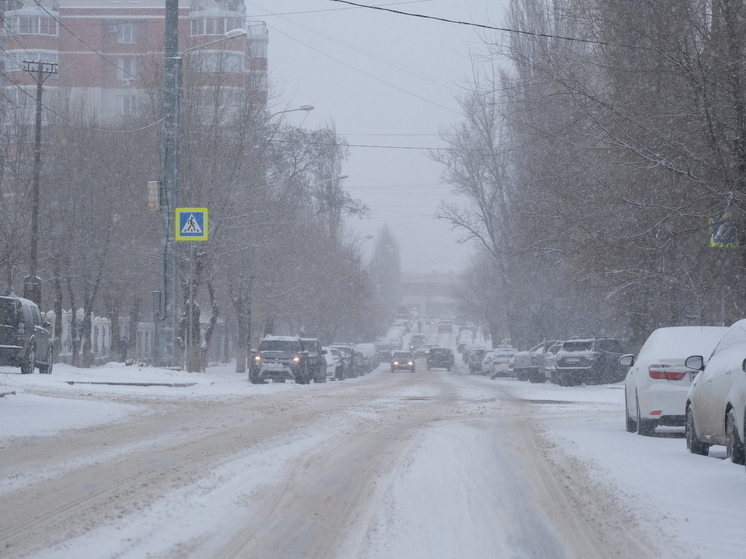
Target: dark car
(280, 358)
(590, 361)
(25, 339)
(316, 359)
(439, 358)
(402, 361)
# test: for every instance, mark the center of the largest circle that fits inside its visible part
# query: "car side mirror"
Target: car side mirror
(627, 360)
(253, 351)
(695, 362)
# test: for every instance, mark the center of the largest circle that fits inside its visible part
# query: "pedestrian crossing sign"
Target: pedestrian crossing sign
(191, 224)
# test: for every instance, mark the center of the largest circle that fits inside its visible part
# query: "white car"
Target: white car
(334, 367)
(657, 382)
(716, 403)
(501, 361)
(487, 361)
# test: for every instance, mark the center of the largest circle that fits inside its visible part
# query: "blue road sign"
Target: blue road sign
(191, 224)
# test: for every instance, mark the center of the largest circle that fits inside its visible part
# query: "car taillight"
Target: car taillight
(593, 356)
(665, 371)
(534, 361)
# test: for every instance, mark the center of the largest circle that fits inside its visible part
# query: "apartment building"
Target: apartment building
(103, 58)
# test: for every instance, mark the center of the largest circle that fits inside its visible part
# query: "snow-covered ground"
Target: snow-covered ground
(698, 500)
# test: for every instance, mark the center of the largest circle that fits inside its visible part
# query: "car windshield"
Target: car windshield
(280, 345)
(402, 355)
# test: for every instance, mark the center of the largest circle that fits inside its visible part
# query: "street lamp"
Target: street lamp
(307, 108)
(169, 184)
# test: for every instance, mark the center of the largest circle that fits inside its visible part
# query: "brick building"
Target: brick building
(104, 58)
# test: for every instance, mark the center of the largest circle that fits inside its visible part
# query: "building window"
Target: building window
(127, 33)
(126, 105)
(20, 95)
(231, 62)
(33, 25)
(215, 25)
(14, 60)
(126, 68)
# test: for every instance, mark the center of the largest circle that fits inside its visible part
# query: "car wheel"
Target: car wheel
(733, 444)
(631, 424)
(694, 445)
(644, 428)
(28, 367)
(47, 368)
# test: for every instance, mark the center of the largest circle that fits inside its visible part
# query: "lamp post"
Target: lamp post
(169, 184)
(307, 108)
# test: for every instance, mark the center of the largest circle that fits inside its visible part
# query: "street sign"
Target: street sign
(191, 224)
(723, 232)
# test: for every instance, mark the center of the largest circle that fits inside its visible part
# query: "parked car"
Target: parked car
(657, 383)
(474, 356)
(369, 355)
(590, 361)
(529, 365)
(348, 358)
(280, 358)
(334, 368)
(487, 361)
(25, 338)
(316, 359)
(402, 361)
(439, 358)
(716, 403)
(501, 361)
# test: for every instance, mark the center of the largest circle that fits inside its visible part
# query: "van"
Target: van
(25, 339)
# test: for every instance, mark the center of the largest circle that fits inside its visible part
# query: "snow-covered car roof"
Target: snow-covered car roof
(281, 338)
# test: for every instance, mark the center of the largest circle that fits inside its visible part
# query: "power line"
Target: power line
(477, 25)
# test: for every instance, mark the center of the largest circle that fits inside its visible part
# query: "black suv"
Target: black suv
(590, 361)
(316, 359)
(280, 358)
(25, 339)
(439, 358)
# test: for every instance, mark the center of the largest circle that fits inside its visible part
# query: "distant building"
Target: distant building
(431, 294)
(104, 57)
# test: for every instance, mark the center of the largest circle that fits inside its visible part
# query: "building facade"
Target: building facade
(103, 59)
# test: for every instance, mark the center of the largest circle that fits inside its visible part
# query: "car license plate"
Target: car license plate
(572, 359)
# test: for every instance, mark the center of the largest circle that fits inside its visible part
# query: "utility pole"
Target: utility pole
(32, 282)
(169, 189)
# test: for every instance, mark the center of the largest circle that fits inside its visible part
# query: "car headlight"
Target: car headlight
(410, 363)
(396, 362)
(257, 358)
(296, 359)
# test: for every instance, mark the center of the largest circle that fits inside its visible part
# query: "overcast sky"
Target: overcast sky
(389, 83)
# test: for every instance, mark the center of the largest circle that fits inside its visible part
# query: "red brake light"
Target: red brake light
(593, 356)
(534, 361)
(664, 371)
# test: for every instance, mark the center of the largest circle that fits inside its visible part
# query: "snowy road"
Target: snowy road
(431, 464)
